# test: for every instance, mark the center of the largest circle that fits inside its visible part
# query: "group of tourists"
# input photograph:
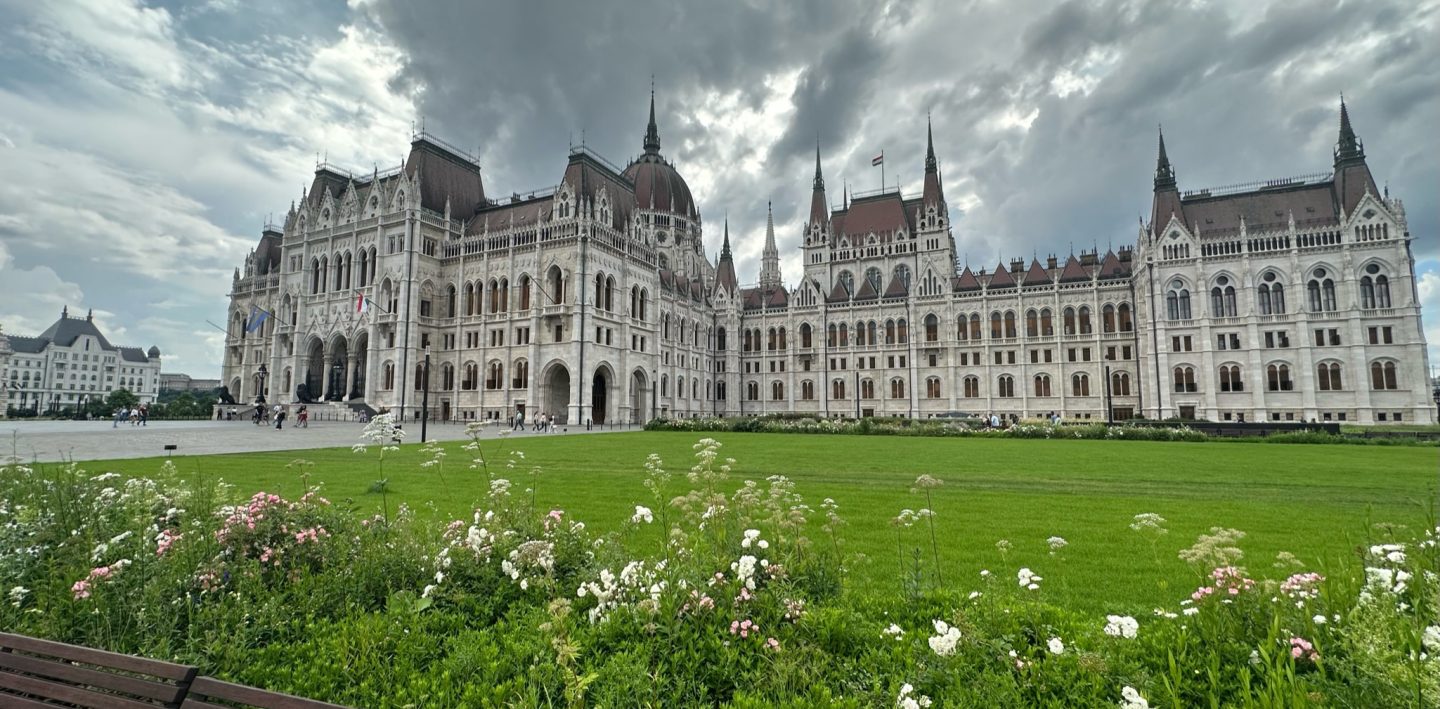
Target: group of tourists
(262, 416)
(542, 423)
(136, 415)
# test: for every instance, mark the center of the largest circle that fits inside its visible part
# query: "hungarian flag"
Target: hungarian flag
(362, 303)
(878, 159)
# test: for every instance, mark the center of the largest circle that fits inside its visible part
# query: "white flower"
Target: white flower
(428, 590)
(1056, 646)
(984, 573)
(439, 577)
(750, 536)
(945, 639)
(1121, 626)
(1132, 699)
(974, 595)
(906, 701)
(642, 514)
(1056, 544)
(1431, 638)
(17, 595)
(763, 544)
(1028, 579)
(894, 631)
(1192, 610)
(1319, 620)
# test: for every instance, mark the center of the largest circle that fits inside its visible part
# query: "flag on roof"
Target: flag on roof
(878, 159)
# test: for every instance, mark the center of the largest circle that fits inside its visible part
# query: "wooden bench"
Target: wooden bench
(42, 674)
(211, 693)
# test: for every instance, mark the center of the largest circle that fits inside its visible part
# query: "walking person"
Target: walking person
(144, 414)
(279, 417)
(118, 416)
(302, 417)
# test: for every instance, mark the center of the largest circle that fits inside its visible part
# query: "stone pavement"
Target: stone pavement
(48, 441)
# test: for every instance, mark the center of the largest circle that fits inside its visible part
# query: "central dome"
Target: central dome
(657, 185)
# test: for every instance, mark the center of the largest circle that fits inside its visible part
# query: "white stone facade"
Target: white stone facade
(72, 363)
(595, 302)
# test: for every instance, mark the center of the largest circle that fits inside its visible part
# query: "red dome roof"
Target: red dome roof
(658, 186)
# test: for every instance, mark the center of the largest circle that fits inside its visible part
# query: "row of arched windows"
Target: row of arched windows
(338, 272)
(1270, 294)
(1277, 377)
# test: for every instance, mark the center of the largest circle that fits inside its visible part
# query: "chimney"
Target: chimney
(1017, 265)
(1087, 258)
(1052, 263)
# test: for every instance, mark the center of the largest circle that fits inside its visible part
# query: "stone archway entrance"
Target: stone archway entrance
(335, 372)
(557, 393)
(638, 404)
(314, 372)
(600, 396)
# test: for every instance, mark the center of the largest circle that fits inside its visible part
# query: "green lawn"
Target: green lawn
(1316, 501)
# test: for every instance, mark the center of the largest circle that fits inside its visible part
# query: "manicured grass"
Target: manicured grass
(1317, 501)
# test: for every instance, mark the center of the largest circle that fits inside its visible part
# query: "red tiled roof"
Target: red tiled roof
(1036, 275)
(1073, 271)
(897, 288)
(1001, 278)
(882, 215)
(967, 281)
(1111, 267)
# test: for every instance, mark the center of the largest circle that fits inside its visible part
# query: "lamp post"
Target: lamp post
(1109, 402)
(425, 396)
(260, 375)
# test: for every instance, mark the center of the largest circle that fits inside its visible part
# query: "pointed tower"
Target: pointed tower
(770, 257)
(1167, 196)
(819, 209)
(933, 196)
(725, 273)
(1352, 175)
(652, 133)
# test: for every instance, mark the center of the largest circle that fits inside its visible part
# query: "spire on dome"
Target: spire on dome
(652, 134)
(1348, 147)
(932, 196)
(1164, 173)
(725, 270)
(725, 246)
(770, 257)
(819, 184)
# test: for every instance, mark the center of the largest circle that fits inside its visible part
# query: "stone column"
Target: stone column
(350, 359)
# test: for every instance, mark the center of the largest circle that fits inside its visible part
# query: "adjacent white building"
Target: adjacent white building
(71, 363)
(1284, 300)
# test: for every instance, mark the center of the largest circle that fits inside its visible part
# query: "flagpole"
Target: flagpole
(882, 169)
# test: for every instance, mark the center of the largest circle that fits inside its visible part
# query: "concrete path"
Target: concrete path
(48, 441)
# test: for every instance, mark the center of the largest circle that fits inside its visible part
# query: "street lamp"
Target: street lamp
(425, 396)
(260, 375)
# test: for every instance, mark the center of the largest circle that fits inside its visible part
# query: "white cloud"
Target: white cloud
(1428, 285)
(31, 298)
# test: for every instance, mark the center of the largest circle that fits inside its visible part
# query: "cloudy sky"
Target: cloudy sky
(144, 143)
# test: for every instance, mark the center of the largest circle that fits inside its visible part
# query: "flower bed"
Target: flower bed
(738, 598)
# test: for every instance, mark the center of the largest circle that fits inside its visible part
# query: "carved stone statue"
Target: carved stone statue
(225, 396)
(302, 393)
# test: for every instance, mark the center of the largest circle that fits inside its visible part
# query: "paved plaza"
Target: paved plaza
(48, 441)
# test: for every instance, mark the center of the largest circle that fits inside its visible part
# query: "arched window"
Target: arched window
(770, 339)
(897, 388)
(1042, 385)
(1277, 378)
(495, 376)
(1127, 322)
(664, 385)
(1107, 318)
(1382, 376)
(972, 387)
(782, 338)
(1010, 323)
(1367, 292)
(867, 389)
(720, 343)
(807, 390)
(1069, 318)
(1230, 378)
(1184, 378)
(902, 331)
(975, 326)
(520, 375)
(1177, 301)
(870, 334)
(447, 376)
(889, 332)
(524, 293)
(1005, 386)
(387, 377)
(1321, 292)
(837, 388)
(932, 387)
(805, 336)
(450, 299)
(777, 390)
(1047, 322)
(1032, 323)
(1382, 291)
(1080, 385)
(932, 328)
(830, 340)
(872, 277)
(996, 330)
(610, 293)
(471, 377)
(1085, 326)
(1327, 376)
(844, 335)
(1119, 384)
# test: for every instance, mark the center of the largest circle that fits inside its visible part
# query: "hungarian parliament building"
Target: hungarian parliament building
(594, 302)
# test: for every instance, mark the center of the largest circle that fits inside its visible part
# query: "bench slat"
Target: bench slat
(204, 688)
(193, 703)
(86, 677)
(104, 658)
(78, 696)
